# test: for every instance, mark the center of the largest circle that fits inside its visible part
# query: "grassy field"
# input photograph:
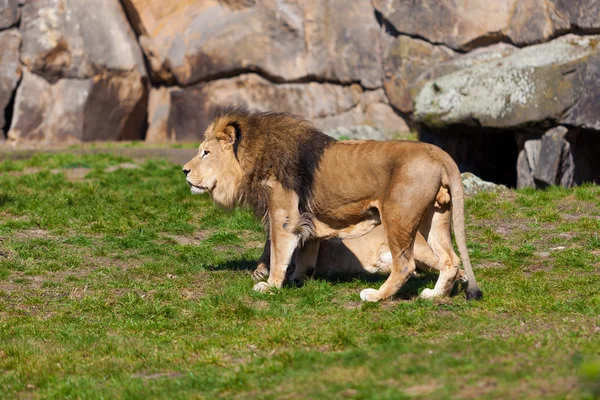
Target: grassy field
(115, 282)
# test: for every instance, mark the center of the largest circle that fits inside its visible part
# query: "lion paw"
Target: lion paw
(260, 273)
(262, 287)
(369, 295)
(428, 294)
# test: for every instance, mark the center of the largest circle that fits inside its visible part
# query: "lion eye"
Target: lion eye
(205, 153)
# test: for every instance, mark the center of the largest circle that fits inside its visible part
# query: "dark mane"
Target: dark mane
(275, 145)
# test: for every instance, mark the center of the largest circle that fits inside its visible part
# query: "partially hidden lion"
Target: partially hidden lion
(363, 256)
(308, 187)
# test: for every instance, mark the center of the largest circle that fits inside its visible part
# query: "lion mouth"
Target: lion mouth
(196, 189)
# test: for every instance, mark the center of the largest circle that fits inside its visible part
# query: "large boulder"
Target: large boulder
(467, 24)
(553, 81)
(582, 14)
(290, 40)
(78, 39)
(105, 107)
(10, 70)
(411, 63)
(405, 60)
(84, 78)
(9, 13)
(184, 113)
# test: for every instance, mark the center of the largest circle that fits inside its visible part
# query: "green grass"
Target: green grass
(123, 285)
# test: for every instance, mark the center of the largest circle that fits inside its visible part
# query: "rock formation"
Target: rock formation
(474, 77)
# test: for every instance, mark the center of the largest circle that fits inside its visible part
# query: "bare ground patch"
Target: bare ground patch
(187, 240)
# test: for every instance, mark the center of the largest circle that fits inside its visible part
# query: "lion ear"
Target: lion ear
(228, 136)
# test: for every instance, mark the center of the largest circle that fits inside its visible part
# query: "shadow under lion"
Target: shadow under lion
(366, 258)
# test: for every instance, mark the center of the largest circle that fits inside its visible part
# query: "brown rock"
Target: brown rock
(287, 41)
(10, 70)
(85, 76)
(78, 39)
(9, 13)
(466, 25)
(583, 14)
(75, 110)
(327, 105)
(459, 24)
(159, 106)
(534, 21)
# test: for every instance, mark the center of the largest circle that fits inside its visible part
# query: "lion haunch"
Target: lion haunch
(309, 188)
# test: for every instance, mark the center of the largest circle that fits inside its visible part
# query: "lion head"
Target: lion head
(216, 169)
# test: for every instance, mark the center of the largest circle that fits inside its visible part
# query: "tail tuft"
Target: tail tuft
(474, 293)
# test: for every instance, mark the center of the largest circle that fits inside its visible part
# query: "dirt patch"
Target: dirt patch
(32, 234)
(25, 171)
(479, 390)
(421, 390)
(121, 166)
(157, 375)
(72, 174)
(189, 240)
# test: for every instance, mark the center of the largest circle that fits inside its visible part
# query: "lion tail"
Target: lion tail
(458, 221)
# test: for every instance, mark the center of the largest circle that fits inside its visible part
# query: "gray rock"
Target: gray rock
(9, 13)
(546, 161)
(410, 63)
(359, 132)
(10, 70)
(473, 185)
(406, 59)
(553, 81)
(551, 153)
(526, 164)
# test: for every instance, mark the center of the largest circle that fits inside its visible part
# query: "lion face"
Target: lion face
(215, 170)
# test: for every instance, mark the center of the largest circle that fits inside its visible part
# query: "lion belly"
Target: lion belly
(345, 224)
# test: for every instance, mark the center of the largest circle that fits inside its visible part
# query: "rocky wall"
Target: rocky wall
(73, 70)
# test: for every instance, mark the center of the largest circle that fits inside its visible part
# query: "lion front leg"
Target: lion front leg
(283, 244)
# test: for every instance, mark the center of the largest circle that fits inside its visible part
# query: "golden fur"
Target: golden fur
(309, 188)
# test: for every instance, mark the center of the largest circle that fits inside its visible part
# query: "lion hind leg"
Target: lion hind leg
(401, 221)
(306, 261)
(262, 269)
(439, 240)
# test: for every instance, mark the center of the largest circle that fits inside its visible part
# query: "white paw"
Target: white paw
(428, 294)
(262, 287)
(369, 295)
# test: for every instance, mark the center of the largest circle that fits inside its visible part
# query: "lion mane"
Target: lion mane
(271, 145)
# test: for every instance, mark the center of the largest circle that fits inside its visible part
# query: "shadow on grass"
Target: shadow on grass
(409, 291)
(240, 264)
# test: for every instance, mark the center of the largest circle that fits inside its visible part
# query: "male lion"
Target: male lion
(309, 187)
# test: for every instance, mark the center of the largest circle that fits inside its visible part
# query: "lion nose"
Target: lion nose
(186, 171)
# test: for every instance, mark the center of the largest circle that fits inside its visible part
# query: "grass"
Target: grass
(123, 285)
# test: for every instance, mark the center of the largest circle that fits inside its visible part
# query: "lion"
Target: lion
(308, 187)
